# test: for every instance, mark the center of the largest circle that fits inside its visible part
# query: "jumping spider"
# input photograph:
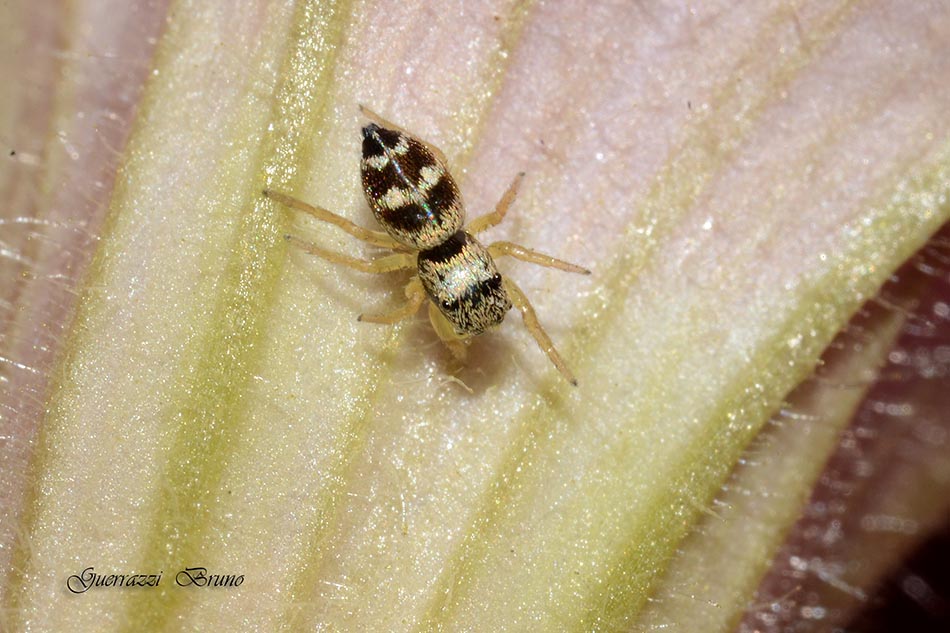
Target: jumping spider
(417, 202)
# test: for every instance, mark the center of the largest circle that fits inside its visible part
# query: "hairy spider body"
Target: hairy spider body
(416, 201)
(461, 279)
(410, 191)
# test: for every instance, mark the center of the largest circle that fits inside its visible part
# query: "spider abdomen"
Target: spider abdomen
(460, 277)
(412, 195)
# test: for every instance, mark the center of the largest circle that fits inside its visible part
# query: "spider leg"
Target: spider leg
(531, 322)
(389, 263)
(415, 295)
(377, 238)
(446, 333)
(487, 221)
(525, 254)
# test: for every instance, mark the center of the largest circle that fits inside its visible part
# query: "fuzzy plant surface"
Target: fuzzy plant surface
(180, 387)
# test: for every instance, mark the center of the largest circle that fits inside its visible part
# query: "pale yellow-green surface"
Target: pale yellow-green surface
(718, 567)
(739, 182)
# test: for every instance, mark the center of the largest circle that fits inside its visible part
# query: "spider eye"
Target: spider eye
(496, 278)
(446, 304)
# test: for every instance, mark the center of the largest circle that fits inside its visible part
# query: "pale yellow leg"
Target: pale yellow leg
(377, 238)
(389, 125)
(531, 322)
(446, 333)
(399, 261)
(487, 221)
(415, 295)
(528, 255)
